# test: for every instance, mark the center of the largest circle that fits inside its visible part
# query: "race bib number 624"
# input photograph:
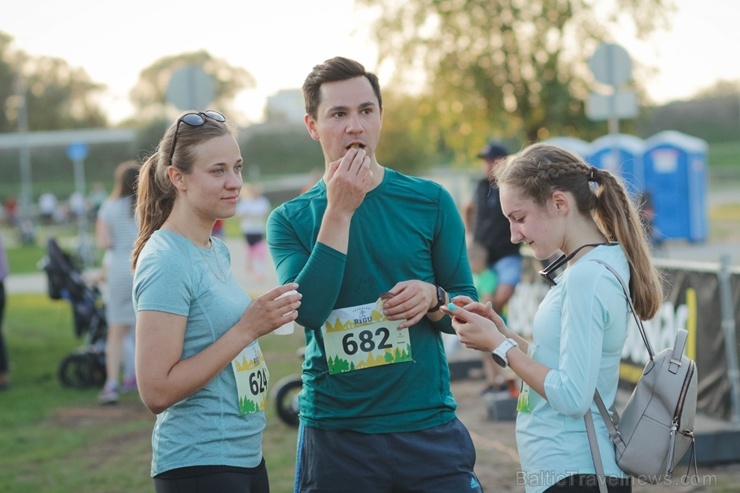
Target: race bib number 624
(250, 372)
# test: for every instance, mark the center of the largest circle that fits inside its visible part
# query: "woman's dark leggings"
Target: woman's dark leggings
(207, 479)
(588, 483)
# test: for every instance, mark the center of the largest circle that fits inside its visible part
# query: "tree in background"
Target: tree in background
(57, 96)
(410, 138)
(149, 95)
(505, 67)
(7, 81)
(712, 114)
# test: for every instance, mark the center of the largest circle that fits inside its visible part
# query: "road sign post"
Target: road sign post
(191, 88)
(77, 152)
(611, 65)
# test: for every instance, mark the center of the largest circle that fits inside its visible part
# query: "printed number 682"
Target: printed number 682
(366, 341)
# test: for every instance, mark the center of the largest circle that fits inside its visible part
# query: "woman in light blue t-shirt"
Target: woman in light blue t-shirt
(556, 202)
(198, 363)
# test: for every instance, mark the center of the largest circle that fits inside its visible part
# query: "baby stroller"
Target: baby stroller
(85, 367)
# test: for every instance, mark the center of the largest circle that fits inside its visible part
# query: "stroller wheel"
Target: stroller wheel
(286, 399)
(79, 370)
(98, 372)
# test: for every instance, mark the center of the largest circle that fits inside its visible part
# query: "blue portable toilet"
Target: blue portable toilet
(675, 176)
(622, 155)
(572, 144)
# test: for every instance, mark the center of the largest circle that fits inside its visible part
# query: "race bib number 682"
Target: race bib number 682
(361, 337)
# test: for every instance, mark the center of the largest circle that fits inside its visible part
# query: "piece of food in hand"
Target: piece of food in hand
(383, 298)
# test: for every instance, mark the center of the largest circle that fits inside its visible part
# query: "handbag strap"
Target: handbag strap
(611, 426)
(595, 453)
(632, 307)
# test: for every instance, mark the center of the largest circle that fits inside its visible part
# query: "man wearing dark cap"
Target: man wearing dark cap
(487, 227)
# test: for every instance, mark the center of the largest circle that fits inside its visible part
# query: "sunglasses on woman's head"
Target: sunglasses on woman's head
(548, 272)
(194, 119)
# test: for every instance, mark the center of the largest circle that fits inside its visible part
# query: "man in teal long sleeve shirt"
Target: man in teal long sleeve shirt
(376, 409)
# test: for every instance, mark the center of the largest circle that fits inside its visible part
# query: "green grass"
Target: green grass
(25, 259)
(724, 223)
(721, 154)
(58, 440)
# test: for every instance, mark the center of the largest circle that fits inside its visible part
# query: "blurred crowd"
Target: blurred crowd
(50, 210)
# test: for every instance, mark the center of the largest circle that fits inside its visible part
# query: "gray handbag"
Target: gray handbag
(657, 424)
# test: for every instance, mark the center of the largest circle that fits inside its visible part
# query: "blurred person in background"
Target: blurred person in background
(116, 231)
(4, 366)
(47, 207)
(219, 230)
(488, 228)
(252, 210)
(96, 198)
(11, 211)
(77, 206)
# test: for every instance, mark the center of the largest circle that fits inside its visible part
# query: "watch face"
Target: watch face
(440, 299)
(440, 296)
(498, 359)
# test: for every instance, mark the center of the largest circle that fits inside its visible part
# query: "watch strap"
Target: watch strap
(499, 354)
(441, 299)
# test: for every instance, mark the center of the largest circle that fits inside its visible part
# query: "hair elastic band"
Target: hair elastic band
(592, 174)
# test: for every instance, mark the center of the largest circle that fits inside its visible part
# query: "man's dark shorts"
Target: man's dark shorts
(439, 459)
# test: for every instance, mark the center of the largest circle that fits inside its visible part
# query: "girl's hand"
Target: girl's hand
(484, 310)
(473, 329)
(471, 306)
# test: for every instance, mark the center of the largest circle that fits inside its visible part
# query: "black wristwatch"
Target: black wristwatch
(441, 299)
